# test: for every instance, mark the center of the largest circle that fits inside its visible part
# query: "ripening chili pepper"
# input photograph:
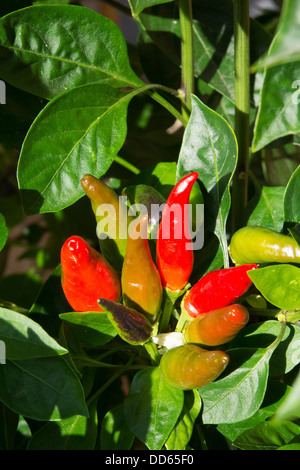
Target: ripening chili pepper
(112, 219)
(174, 252)
(131, 325)
(188, 367)
(262, 245)
(86, 276)
(141, 284)
(217, 289)
(217, 327)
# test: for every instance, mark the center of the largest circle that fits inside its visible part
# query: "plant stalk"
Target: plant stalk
(187, 54)
(242, 108)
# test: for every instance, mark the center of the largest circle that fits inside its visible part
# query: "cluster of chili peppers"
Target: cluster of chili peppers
(135, 292)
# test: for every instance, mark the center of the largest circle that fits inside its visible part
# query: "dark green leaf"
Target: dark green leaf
(286, 43)
(92, 328)
(279, 113)
(74, 433)
(42, 389)
(115, 433)
(267, 436)
(48, 49)
(152, 407)
(80, 132)
(238, 395)
(24, 338)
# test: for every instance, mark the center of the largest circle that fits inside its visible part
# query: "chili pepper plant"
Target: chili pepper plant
(137, 338)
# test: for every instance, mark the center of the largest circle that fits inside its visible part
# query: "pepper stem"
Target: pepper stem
(169, 299)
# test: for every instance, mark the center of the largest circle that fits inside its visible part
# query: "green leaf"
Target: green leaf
(275, 394)
(3, 232)
(279, 284)
(92, 328)
(74, 433)
(209, 147)
(260, 335)
(286, 43)
(115, 433)
(182, 432)
(278, 113)
(267, 436)
(290, 407)
(45, 52)
(79, 132)
(239, 394)
(268, 210)
(139, 5)
(292, 198)
(42, 389)
(152, 407)
(24, 338)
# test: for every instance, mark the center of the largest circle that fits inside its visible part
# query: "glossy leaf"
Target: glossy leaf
(210, 147)
(74, 433)
(278, 113)
(115, 433)
(93, 328)
(292, 198)
(239, 394)
(24, 338)
(290, 407)
(260, 335)
(152, 407)
(279, 284)
(275, 394)
(79, 132)
(268, 436)
(268, 208)
(44, 52)
(182, 432)
(286, 43)
(42, 389)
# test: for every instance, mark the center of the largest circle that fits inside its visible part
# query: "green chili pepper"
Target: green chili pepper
(131, 325)
(262, 245)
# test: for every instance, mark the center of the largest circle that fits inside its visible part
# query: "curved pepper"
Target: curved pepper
(86, 276)
(217, 289)
(217, 327)
(141, 284)
(174, 258)
(188, 367)
(131, 325)
(262, 245)
(112, 212)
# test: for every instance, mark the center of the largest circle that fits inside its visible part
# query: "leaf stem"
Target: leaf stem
(187, 78)
(242, 107)
(121, 161)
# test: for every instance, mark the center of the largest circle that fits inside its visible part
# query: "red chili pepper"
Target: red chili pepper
(217, 289)
(217, 327)
(86, 276)
(174, 259)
